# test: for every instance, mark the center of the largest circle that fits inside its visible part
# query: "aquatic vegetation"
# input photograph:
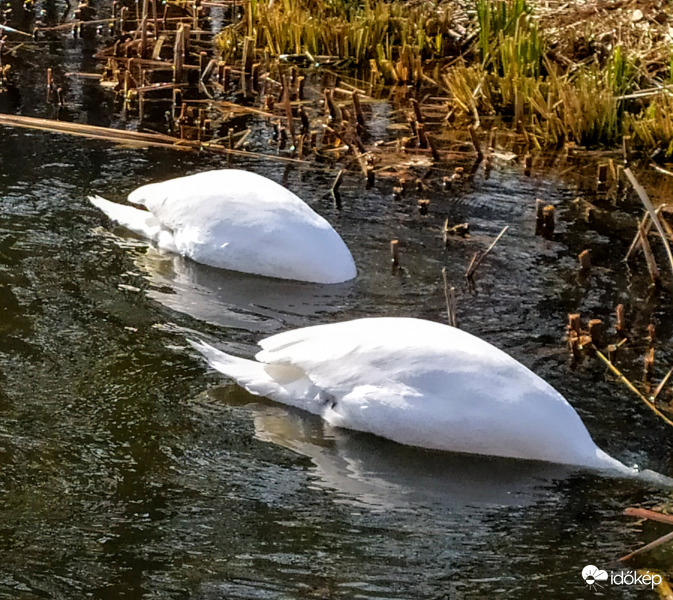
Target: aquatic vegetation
(392, 37)
(560, 76)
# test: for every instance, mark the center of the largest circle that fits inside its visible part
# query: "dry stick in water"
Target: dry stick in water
(477, 261)
(335, 189)
(450, 295)
(632, 387)
(475, 142)
(649, 258)
(652, 515)
(288, 109)
(655, 544)
(647, 224)
(662, 384)
(653, 214)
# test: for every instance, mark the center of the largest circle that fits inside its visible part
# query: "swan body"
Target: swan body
(418, 383)
(236, 220)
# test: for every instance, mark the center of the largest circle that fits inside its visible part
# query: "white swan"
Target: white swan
(236, 220)
(419, 383)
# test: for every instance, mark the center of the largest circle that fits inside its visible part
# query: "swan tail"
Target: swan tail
(139, 221)
(285, 384)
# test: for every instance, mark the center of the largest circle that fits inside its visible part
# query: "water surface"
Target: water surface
(128, 469)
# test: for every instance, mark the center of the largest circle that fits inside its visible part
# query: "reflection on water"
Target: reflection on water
(375, 473)
(230, 299)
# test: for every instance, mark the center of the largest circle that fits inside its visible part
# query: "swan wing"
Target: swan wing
(384, 349)
(286, 384)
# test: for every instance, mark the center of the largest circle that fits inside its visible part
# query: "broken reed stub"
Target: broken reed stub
(651, 333)
(585, 261)
(602, 175)
(395, 253)
(371, 177)
(626, 149)
(596, 332)
(574, 345)
(587, 345)
(574, 322)
(648, 365)
(548, 220)
(423, 206)
(462, 230)
(620, 325)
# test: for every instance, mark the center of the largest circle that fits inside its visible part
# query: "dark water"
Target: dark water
(129, 470)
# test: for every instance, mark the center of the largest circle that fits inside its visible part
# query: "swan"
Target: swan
(418, 383)
(236, 220)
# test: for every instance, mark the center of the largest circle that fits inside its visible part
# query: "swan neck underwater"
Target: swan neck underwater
(418, 383)
(236, 220)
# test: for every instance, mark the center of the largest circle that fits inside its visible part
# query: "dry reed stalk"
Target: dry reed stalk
(450, 295)
(596, 332)
(632, 387)
(178, 54)
(135, 138)
(645, 225)
(288, 109)
(661, 385)
(477, 261)
(649, 258)
(653, 214)
(143, 29)
(475, 142)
